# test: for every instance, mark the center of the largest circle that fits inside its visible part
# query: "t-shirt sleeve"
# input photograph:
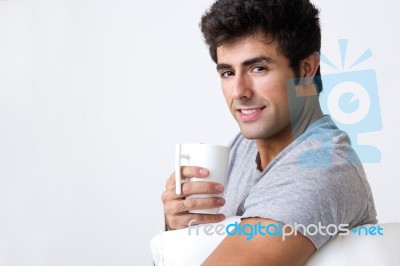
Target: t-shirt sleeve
(315, 197)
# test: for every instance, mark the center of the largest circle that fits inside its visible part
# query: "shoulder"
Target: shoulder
(323, 160)
(317, 178)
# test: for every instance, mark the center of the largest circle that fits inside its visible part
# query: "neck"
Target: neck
(270, 147)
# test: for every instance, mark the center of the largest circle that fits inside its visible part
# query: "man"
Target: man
(289, 164)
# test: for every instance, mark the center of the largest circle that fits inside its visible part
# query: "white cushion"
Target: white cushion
(180, 248)
(361, 249)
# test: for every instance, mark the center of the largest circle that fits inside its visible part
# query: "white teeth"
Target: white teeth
(247, 112)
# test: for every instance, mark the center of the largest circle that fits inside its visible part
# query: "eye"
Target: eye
(226, 74)
(258, 69)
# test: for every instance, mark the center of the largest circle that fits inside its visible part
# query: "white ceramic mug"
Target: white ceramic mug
(215, 158)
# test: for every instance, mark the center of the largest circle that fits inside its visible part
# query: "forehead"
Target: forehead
(248, 47)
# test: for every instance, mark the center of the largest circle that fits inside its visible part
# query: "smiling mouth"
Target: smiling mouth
(250, 111)
(249, 115)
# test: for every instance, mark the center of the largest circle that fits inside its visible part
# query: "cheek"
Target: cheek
(273, 89)
(279, 97)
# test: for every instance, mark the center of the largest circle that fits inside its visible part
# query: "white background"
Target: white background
(94, 94)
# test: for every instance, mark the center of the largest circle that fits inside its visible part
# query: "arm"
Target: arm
(261, 250)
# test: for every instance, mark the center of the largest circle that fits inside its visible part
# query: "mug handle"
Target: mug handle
(178, 175)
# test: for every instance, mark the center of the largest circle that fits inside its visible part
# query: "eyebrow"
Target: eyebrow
(248, 62)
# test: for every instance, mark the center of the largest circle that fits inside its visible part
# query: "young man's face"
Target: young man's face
(253, 77)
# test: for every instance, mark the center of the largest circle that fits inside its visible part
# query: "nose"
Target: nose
(241, 87)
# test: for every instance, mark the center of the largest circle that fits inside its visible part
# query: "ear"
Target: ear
(308, 67)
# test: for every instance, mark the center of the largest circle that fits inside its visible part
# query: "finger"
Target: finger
(190, 188)
(203, 218)
(190, 219)
(170, 195)
(187, 172)
(194, 171)
(180, 206)
(170, 181)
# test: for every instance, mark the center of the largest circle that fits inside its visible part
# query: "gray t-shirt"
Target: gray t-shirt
(318, 178)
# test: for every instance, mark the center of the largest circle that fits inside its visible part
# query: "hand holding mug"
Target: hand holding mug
(177, 206)
(194, 191)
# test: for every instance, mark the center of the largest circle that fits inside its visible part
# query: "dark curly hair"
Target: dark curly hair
(293, 23)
